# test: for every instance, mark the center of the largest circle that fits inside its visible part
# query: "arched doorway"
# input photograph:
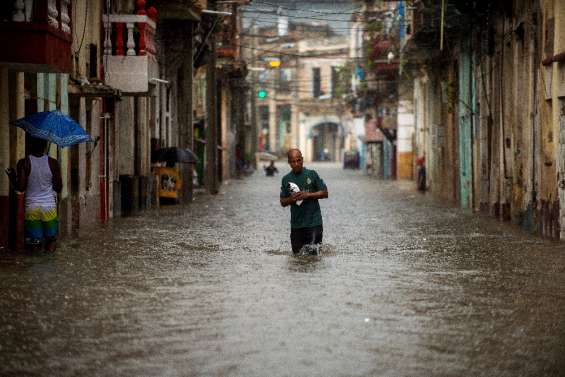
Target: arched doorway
(326, 141)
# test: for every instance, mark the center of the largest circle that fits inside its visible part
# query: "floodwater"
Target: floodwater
(404, 286)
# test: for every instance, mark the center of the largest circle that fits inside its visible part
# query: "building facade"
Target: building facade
(128, 72)
(488, 107)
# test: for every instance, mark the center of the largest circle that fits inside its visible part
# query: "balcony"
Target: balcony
(130, 50)
(224, 52)
(36, 36)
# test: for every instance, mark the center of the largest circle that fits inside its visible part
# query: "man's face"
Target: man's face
(295, 161)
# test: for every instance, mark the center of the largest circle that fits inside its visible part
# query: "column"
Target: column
(51, 89)
(211, 110)
(64, 153)
(185, 112)
(4, 156)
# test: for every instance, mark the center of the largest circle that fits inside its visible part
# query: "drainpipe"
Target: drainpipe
(442, 24)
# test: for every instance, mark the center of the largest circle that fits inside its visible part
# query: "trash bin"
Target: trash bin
(142, 193)
(117, 199)
(130, 194)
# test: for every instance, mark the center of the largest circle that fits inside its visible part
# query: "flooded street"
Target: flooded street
(405, 286)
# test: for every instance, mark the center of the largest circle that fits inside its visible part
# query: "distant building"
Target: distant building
(300, 97)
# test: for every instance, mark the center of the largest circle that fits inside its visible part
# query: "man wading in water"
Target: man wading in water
(301, 189)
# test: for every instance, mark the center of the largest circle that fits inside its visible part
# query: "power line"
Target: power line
(273, 22)
(308, 56)
(274, 13)
(305, 10)
(301, 17)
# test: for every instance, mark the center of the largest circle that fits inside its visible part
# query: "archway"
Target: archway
(327, 141)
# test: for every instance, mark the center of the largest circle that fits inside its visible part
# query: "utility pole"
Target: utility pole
(211, 180)
(252, 97)
(185, 111)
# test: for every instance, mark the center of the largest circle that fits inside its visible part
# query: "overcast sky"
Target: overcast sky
(334, 13)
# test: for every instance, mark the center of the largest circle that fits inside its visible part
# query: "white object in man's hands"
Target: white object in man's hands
(293, 187)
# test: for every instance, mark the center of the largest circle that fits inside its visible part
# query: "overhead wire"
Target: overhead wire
(291, 86)
(274, 13)
(325, 56)
(290, 16)
(265, 23)
(305, 10)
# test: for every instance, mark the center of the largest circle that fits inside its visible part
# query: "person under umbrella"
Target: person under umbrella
(39, 176)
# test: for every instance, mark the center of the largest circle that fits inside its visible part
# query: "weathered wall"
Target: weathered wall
(513, 107)
(405, 165)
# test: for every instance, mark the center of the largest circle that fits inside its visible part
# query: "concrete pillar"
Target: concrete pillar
(82, 147)
(51, 88)
(126, 136)
(4, 157)
(294, 127)
(273, 126)
(303, 135)
(405, 132)
(65, 206)
(4, 130)
(64, 152)
(143, 154)
(20, 138)
(40, 82)
(186, 137)
(211, 110)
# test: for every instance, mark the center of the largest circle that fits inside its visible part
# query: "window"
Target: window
(285, 113)
(264, 126)
(264, 117)
(316, 84)
(285, 77)
(93, 61)
(334, 81)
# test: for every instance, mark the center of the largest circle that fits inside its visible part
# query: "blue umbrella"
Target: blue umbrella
(54, 126)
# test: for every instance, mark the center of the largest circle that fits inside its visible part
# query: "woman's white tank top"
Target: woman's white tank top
(39, 191)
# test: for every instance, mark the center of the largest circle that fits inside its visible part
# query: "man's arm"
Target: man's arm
(302, 195)
(56, 172)
(287, 201)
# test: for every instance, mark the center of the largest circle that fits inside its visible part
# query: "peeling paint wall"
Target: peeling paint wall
(516, 114)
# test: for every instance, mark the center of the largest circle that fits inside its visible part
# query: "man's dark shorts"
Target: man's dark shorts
(305, 236)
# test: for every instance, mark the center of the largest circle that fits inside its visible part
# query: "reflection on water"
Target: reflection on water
(403, 285)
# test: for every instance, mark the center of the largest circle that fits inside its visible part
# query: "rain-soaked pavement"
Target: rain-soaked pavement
(405, 286)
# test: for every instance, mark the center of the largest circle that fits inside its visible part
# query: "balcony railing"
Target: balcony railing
(36, 35)
(130, 49)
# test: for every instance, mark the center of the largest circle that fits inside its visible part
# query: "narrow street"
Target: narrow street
(405, 286)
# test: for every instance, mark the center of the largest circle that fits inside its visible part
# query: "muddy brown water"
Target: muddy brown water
(404, 286)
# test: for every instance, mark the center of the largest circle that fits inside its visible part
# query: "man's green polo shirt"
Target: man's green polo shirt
(308, 213)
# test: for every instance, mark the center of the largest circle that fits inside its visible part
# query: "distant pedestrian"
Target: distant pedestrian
(271, 169)
(301, 189)
(421, 181)
(39, 176)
